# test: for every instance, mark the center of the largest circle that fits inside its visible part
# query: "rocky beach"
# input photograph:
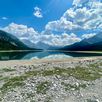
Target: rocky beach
(67, 80)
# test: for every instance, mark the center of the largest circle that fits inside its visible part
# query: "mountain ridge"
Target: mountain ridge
(10, 42)
(91, 44)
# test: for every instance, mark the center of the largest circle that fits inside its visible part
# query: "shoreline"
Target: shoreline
(10, 63)
(93, 52)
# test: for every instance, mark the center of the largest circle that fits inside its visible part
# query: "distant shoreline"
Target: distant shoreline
(21, 51)
(100, 52)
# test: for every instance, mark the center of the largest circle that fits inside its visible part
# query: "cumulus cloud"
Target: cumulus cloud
(38, 12)
(26, 34)
(31, 37)
(20, 30)
(60, 25)
(84, 2)
(60, 40)
(79, 18)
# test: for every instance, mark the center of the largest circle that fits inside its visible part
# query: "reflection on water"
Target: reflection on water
(43, 55)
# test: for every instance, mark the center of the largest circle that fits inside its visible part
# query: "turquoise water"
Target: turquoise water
(42, 55)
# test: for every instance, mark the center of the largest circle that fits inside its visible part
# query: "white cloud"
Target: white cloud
(76, 2)
(86, 36)
(60, 40)
(31, 37)
(22, 32)
(79, 18)
(84, 2)
(60, 25)
(38, 12)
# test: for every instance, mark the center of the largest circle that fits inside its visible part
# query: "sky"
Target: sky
(53, 22)
(22, 11)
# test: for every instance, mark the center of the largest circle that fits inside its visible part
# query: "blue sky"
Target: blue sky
(53, 22)
(21, 11)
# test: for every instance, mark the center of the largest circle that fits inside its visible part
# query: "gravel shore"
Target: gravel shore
(67, 80)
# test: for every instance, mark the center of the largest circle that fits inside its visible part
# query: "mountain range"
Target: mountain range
(91, 44)
(10, 42)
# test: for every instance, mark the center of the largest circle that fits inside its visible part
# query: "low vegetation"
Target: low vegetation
(89, 73)
(7, 70)
(73, 87)
(43, 87)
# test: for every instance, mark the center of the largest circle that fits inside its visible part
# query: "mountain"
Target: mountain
(96, 46)
(54, 47)
(28, 42)
(45, 46)
(94, 43)
(95, 39)
(42, 45)
(10, 42)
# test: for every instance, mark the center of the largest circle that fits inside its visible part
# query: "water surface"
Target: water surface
(44, 55)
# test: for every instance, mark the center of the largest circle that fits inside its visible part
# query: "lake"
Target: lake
(27, 55)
